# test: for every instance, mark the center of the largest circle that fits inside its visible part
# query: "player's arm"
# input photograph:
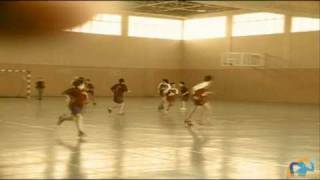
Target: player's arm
(159, 85)
(87, 99)
(113, 88)
(177, 91)
(167, 89)
(186, 93)
(67, 94)
(126, 88)
(207, 93)
(68, 98)
(86, 94)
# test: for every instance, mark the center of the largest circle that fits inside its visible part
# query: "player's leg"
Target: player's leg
(208, 112)
(167, 105)
(110, 108)
(121, 109)
(114, 105)
(162, 102)
(65, 117)
(39, 93)
(188, 120)
(79, 124)
(93, 98)
(183, 105)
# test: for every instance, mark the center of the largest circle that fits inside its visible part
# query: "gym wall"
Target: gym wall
(291, 74)
(59, 57)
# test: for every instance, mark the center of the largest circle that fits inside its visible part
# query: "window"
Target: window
(257, 24)
(101, 24)
(155, 28)
(303, 24)
(205, 28)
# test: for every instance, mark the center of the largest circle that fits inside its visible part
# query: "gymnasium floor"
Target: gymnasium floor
(243, 140)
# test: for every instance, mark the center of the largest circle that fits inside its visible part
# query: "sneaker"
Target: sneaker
(160, 107)
(188, 123)
(109, 110)
(60, 121)
(202, 122)
(121, 113)
(81, 134)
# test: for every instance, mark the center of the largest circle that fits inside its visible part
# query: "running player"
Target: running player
(118, 93)
(163, 88)
(171, 94)
(200, 98)
(184, 96)
(77, 98)
(40, 86)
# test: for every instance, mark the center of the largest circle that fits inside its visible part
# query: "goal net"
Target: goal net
(15, 83)
(244, 59)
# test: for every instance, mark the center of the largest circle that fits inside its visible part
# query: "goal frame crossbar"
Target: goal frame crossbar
(27, 75)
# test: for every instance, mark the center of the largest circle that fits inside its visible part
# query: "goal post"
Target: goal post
(26, 74)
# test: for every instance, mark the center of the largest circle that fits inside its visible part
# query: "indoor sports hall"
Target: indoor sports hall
(159, 89)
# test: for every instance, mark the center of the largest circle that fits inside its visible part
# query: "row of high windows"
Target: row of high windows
(202, 28)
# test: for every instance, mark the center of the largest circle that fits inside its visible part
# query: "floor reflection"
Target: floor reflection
(74, 170)
(50, 159)
(244, 140)
(196, 155)
(119, 125)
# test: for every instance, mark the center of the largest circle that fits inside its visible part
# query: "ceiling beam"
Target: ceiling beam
(296, 8)
(152, 4)
(183, 8)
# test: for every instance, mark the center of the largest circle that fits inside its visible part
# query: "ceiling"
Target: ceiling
(46, 16)
(295, 8)
(186, 8)
(178, 8)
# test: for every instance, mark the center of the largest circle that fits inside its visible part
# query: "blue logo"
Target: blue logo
(302, 168)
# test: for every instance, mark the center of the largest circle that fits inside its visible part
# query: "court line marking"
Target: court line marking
(29, 126)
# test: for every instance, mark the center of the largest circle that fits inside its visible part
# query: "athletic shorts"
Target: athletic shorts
(91, 92)
(75, 110)
(185, 98)
(199, 101)
(170, 98)
(118, 100)
(162, 94)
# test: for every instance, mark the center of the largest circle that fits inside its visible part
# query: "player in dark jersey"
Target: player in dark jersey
(40, 86)
(184, 96)
(77, 98)
(200, 98)
(118, 91)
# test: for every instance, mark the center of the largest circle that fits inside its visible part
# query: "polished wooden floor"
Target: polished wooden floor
(241, 140)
